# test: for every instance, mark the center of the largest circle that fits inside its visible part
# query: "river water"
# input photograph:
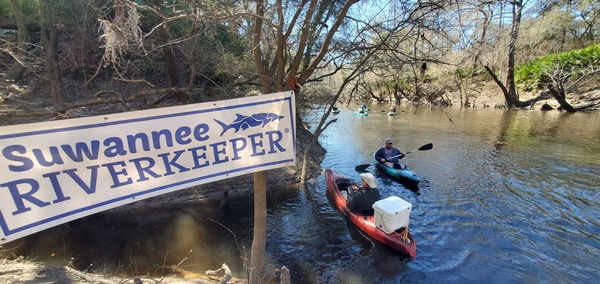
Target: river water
(505, 197)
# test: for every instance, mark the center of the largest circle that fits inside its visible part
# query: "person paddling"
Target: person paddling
(362, 200)
(390, 156)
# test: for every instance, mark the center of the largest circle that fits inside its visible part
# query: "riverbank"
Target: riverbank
(488, 94)
(23, 271)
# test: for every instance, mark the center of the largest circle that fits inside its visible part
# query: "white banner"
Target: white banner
(55, 172)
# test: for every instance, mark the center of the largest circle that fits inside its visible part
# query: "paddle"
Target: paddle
(362, 167)
(425, 147)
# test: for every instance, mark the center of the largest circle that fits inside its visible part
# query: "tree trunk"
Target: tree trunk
(17, 70)
(512, 98)
(50, 44)
(21, 29)
(168, 57)
(561, 98)
(307, 150)
(256, 50)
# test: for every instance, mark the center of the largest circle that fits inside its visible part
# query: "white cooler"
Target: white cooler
(392, 213)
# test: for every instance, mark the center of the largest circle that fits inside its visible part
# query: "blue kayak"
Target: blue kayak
(405, 175)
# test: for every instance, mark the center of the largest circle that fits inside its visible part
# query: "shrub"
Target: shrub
(534, 74)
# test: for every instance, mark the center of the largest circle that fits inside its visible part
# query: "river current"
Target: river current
(505, 197)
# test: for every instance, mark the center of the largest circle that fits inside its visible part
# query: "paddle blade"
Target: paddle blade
(361, 167)
(426, 147)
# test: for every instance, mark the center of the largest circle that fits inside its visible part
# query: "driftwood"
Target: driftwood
(223, 275)
(210, 274)
(223, 271)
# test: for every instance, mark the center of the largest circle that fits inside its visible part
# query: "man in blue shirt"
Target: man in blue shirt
(385, 154)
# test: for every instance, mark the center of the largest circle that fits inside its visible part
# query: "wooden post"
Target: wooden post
(285, 276)
(260, 227)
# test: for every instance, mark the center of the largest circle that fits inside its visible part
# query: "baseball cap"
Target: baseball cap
(369, 178)
(388, 141)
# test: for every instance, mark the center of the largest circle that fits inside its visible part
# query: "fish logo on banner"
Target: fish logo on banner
(246, 121)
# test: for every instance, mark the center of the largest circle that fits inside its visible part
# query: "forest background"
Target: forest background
(69, 58)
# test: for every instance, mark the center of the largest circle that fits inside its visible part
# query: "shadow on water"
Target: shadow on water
(385, 181)
(384, 260)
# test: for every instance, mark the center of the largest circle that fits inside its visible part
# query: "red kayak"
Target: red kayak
(400, 240)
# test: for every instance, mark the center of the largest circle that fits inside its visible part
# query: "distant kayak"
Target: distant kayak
(392, 113)
(361, 113)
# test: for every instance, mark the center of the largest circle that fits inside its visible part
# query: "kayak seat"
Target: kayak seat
(365, 213)
(399, 166)
(343, 186)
